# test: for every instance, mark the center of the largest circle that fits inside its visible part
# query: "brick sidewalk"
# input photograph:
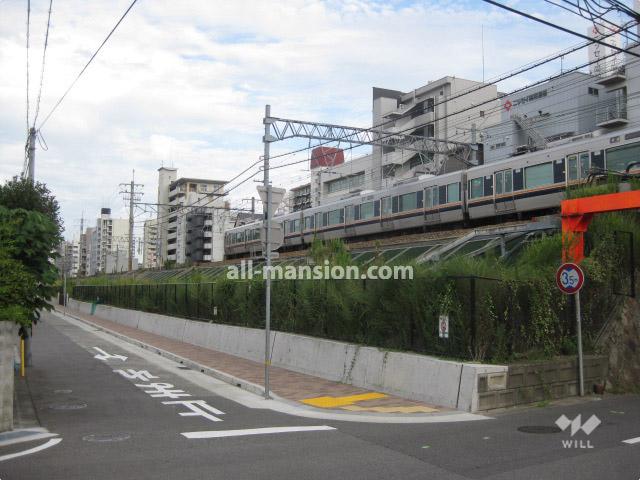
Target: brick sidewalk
(299, 387)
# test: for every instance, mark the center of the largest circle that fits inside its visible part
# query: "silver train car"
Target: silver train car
(532, 182)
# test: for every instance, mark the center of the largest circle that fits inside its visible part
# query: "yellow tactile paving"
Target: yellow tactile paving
(400, 409)
(332, 402)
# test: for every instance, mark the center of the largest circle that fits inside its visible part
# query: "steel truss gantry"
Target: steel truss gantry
(441, 150)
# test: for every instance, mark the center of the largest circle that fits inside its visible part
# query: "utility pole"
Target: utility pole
(132, 193)
(31, 154)
(267, 222)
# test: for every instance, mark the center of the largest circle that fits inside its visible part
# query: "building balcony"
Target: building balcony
(612, 113)
(613, 73)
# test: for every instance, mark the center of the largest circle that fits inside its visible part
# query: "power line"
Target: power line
(498, 97)
(480, 86)
(87, 64)
(28, 35)
(557, 27)
(44, 55)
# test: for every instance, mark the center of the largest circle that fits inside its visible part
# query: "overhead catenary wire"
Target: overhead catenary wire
(57, 104)
(44, 56)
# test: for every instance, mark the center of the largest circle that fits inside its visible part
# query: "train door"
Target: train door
(578, 167)
(431, 205)
(503, 199)
(386, 211)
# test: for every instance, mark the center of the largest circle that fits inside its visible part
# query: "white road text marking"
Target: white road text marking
(104, 356)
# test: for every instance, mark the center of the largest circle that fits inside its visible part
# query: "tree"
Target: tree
(23, 193)
(27, 243)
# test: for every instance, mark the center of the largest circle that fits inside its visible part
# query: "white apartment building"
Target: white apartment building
(447, 110)
(192, 215)
(150, 244)
(111, 235)
(68, 260)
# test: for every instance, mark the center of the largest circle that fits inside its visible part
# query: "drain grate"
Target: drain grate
(539, 429)
(64, 391)
(67, 406)
(106, 437)
(184, 367)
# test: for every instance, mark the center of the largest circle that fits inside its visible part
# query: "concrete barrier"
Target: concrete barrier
(418, 377)
(8, 336)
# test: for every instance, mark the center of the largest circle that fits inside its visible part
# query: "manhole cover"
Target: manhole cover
(106, 437)
(539, 429)
(63, 391)
(67, 406)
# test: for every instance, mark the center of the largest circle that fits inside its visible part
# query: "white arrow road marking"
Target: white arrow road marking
(253, 431)
(50, 443)
(105, 356)
(631, 441)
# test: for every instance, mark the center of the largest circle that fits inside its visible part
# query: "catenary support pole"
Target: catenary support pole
(267, 253)
(579, 334)
(131, 199)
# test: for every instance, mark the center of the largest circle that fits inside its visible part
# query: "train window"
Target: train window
(619, 157)
(504, 181)
(308, 222)
(386, 205)
(476, 187)
(294, 226)
(335, 217)
(349, 213)
(431, 197)
(538, 175)
(408, 201)
(394, 204)
(367, 210)
(453, 192)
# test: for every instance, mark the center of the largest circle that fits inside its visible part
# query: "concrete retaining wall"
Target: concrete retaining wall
(419, 377)
(8, 335)
(539, 381)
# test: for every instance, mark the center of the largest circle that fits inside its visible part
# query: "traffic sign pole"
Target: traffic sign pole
(579, 334)
(570, 279)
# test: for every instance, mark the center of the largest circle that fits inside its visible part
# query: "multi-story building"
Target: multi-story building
(150, 244)
(111, 235)
(201, 200)
(447, 112)
(68, 261)
(535, 117)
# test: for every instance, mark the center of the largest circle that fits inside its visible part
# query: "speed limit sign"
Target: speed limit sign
(569, 278)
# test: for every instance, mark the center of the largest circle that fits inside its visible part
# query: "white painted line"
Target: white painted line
(254, 431)
(631, 441)
(27, 438)
(50, 443)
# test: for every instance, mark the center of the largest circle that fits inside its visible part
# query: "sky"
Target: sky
(184, 84)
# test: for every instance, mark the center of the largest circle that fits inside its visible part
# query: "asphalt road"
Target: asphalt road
(114, 427)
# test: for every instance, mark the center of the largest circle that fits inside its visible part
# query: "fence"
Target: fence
(489, 319)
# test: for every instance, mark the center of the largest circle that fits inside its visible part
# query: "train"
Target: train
(520, 185)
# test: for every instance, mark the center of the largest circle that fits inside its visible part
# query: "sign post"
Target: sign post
(570, 279)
